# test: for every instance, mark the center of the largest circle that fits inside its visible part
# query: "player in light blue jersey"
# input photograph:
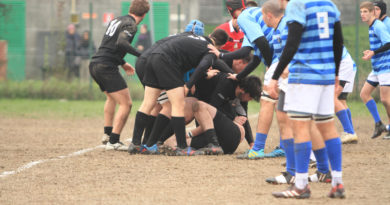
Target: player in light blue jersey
(379, 54)
(313, 52)
(380, 13)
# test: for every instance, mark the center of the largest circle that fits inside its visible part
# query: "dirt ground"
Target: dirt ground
(109, 177)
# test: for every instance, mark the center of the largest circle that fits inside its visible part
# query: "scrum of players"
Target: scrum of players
(189, 77)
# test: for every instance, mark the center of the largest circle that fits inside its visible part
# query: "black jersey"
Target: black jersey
(112, 50)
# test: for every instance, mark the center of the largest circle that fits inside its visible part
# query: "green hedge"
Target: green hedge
(60, 89)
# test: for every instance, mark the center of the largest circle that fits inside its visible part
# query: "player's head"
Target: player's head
(249, 88)
(240, 64)
(219, 37)
(379, 9)
(71, 29)
(251, 4)
(139, 8)
(196, 27)
(235, 7)
(271, 13)
(367, 11)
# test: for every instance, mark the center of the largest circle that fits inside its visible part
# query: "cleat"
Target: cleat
(312, 164)
(284, 178)
(337, 192)
(379, 128)
(387, 137)
(252, 154)
(321, 177)
(150, 150)
(119, 146)
(188, 151)
(211, 149)
(105, 138)
(347, 138)
(135, 149)
(277, 152)
(293, 192)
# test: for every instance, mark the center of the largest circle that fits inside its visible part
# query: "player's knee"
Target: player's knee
(266, 97)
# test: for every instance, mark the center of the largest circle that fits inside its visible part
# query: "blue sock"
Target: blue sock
(290, 157)
(371, 105)
(281, 143)
(260, 141)
(302, 156)
(322, 160)
(344, 119)
(350, 118)
(333, 146)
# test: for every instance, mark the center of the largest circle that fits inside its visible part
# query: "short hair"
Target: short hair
(367, 5)
(273, 7)
(220, 37)
(251, 4)
(252, 86)
(139, 7)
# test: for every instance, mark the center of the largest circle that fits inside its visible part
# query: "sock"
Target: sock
(302, 157)
(141, 121)
(114, 138)
(167, 133)
(312, 156)
(322, 160)
(301, 180)
(260, 141)
(148, 129)
(350, 118)
(212, 137)
(281, 143)
(178, 125)
(371, 105)
(388, 127)
(288, 146)
(337, 178)
(344, 119)
(107, 130)
(161, 122)
(333, 146)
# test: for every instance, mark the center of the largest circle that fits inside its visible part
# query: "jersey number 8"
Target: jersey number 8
(323, 24)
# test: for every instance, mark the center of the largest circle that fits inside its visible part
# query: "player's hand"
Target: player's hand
(367, 55)
(214, 50)
(128, 69)
(240, 120)
(211, 73)
(272, 89)
(186, 90)
(232, 76)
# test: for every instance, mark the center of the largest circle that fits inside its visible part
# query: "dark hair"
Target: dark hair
(247, 58)
(252, 85)
(251, 4)
(382, 6)
(139, 7)
(219, 36)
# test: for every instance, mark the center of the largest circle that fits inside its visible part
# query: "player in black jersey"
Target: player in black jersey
(104, 70)
(164, 70)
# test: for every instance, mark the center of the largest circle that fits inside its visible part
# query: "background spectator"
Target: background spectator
(71, 62)
(144, 42)
(83, 54)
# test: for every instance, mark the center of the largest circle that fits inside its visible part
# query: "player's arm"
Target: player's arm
(252, 65)
(246, 125)
(382, 49)
(222, 66)
(337, 45)
(238, 54)
(125, 38)
(295, 31)
(265, 50)
(204, 64)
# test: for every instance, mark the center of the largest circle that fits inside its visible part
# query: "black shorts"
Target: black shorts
(107, 77)
(281, 101)
(140, 68)
(160, 72)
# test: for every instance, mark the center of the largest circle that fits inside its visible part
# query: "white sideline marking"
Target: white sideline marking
(77, 153)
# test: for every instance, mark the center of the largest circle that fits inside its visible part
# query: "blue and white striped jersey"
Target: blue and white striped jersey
(347, 55)
(314, 61)
(252, 24)
(386, 21)
(279, 37)
(379, 36)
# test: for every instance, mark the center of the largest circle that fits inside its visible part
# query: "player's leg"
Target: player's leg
(385, 98)
(109, 113)
(149, 127)
(341, 111)
(322, 174)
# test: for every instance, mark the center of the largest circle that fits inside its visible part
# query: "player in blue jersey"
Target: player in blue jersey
(379, 54)
(313, 52)
(380, 13)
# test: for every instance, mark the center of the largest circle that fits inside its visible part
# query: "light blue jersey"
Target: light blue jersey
(386, 21)
(314, 61)
(379, 36)
(347, 55)
(252, 24)
(279, 37)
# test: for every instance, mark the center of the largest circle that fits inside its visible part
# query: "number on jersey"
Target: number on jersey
(323, 24)
(112, 27)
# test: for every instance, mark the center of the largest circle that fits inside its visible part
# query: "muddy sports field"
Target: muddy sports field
(60, 161)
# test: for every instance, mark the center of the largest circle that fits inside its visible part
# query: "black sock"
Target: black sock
(178, 125)
(168, 132)
(212, 136)
(141, 121)
(114, 138)
(107, 130)
(162, 121)
(148, 129)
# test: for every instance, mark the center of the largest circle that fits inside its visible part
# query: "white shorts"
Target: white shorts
(310, 99)
(163, 98)
(346, 73)
(282, 83)
(381, 79)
